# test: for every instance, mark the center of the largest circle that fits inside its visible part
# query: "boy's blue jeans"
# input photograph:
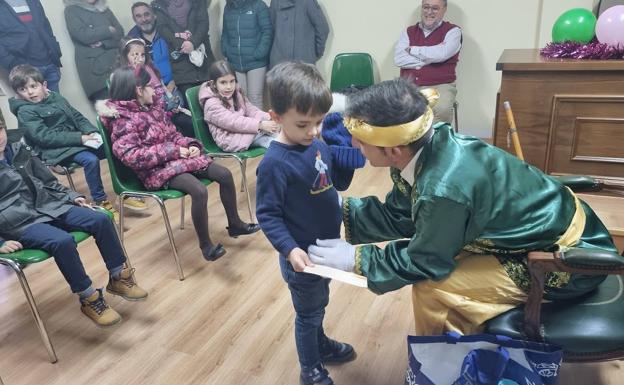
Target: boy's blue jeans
(310, 296)
(89, 159)
(53, 237)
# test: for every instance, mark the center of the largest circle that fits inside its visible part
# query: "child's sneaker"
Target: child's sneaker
(334, 351)
(136, 204)
(126, 287)
(109, 206)
(96, 308)
(316, 376)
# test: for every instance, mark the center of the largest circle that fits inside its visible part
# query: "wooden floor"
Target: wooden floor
(229, 322)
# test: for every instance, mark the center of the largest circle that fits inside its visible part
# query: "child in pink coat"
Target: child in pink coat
(234, 123)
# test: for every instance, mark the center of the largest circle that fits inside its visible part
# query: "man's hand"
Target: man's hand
(187, 47)
(334, 253)
(194, 152)
(10, 246)
(171, 86)
(299, 259)
(184, 152)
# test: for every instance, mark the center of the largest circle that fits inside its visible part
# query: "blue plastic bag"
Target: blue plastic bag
(482, 359)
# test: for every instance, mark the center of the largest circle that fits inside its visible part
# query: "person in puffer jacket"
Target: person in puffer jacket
(145, 140)
(234, 123)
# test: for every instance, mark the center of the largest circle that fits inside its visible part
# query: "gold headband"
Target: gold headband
(398, 135)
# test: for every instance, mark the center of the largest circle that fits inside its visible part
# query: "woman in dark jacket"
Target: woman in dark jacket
(246, 42)
(96, 34)
(184, 25)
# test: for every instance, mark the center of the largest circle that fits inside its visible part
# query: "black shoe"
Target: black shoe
(248, 228)
(213, 253)
(334, 351)
(317, 375)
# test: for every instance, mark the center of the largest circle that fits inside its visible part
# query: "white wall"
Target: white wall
(489, 27)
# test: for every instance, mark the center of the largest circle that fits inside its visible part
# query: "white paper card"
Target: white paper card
(96, 142)
(338, 275)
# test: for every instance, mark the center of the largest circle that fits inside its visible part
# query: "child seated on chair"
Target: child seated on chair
(37, 212)
(145, 140)
(234, 123)
(57, 132)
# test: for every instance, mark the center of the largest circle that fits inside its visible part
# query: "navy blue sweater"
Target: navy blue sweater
(296, 197)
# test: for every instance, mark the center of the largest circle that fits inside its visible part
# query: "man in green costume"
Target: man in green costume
(461, 217)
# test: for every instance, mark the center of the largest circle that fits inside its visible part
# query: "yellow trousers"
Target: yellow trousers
(476, 291)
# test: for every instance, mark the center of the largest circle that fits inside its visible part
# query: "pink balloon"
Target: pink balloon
(610, 26)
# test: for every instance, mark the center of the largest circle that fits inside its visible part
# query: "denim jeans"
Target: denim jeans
(52, 75)
(53, 237)
(310, 296)
(90, 160)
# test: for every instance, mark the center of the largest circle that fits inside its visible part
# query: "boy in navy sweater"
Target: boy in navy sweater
(297, 203)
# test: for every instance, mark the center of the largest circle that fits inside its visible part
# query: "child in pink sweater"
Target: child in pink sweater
(234, 123)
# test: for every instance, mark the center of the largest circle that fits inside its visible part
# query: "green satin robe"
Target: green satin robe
(467, 195)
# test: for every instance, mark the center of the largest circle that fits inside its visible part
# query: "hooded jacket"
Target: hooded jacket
(52, 127)
(232, 130)
(247, 34)
(29, 193)
(14, 39)
(185, 72)
(89, 25)
(146, 141)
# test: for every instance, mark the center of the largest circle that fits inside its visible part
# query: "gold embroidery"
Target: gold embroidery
(358, 260)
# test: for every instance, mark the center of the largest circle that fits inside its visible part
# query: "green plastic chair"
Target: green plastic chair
(127, 184)
(352, 69)
(18, 260)
(202, 133)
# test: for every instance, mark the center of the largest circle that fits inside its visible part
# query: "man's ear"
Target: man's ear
(393, 153)
(275, 117)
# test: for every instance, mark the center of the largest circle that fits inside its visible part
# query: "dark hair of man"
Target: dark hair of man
(21, 74)
(125, 80)
(139, 4)
(300, 86)
(388, 103)
(219, 69)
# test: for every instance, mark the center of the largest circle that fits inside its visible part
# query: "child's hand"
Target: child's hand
(82, 202)
(269, 126)
(184, 152)
(194, 152)
(91, 136)
(299, 259)
(10, 246)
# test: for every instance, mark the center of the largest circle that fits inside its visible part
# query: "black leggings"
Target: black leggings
(190, 184)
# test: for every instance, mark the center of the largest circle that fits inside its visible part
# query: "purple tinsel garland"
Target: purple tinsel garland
(590, 51)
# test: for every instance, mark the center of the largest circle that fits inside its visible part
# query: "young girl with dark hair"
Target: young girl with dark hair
(133, 53)
(146, 141)
(235, 123)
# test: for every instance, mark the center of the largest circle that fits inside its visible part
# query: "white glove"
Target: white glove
(335, 253)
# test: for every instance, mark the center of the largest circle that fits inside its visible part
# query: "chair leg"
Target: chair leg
(123, 247)
(70, 180)
(243, 165)
(163, 210)
(33, 307)
(456, 114)
(182, 213)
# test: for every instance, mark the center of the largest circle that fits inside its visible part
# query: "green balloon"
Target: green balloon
(577, 24)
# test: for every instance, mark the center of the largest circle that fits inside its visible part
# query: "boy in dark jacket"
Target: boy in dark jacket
(58, 132)
(37, 212)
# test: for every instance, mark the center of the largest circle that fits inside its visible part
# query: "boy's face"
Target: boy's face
(298, 128)
(33, 91)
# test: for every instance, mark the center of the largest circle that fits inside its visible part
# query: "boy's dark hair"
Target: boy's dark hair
(139, 4)
(125, 80)
(218, 69)
(298, 85)
(387, 103)
(21, 74)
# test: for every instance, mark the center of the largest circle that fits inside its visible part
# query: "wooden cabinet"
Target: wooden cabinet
(569, 113)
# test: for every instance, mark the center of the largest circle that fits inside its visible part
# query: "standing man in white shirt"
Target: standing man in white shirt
(427, 54)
